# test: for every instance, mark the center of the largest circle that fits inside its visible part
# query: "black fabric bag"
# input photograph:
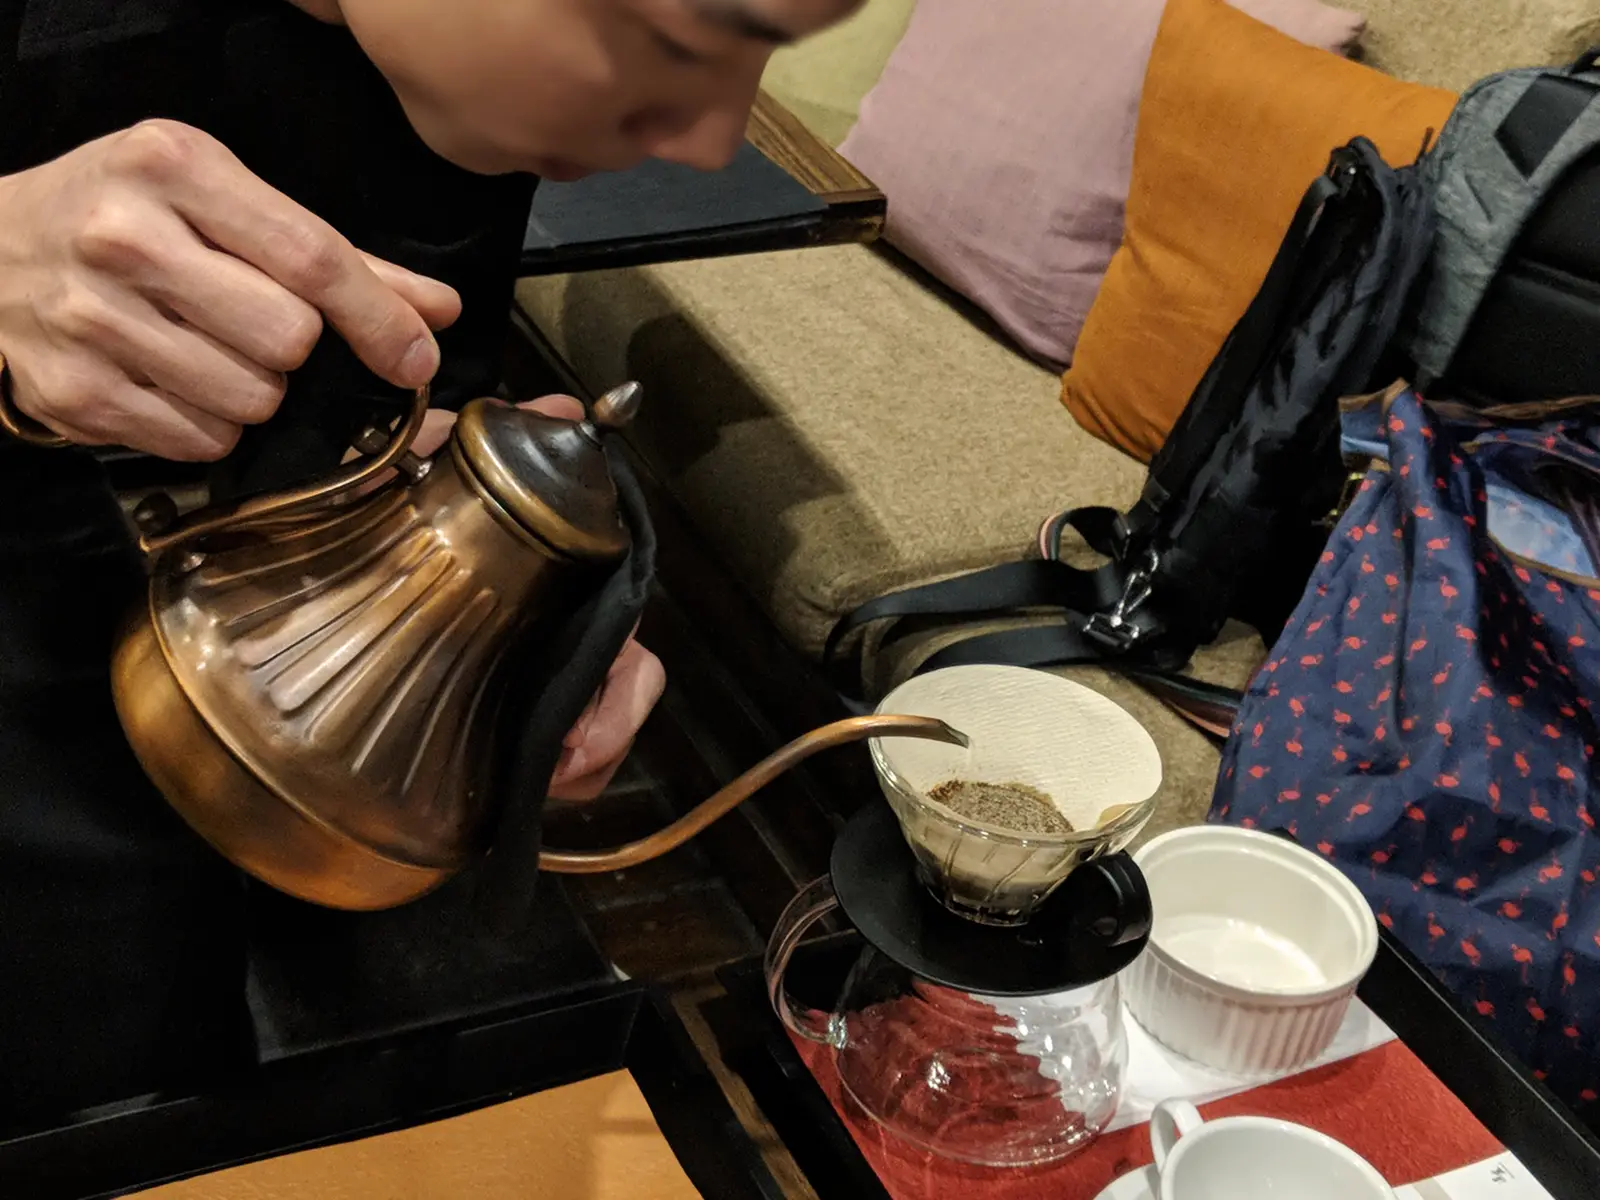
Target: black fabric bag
(565, 671)
(1237, 502)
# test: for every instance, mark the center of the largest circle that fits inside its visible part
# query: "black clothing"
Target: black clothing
(121, 965)
(122, 956)
(303, 108)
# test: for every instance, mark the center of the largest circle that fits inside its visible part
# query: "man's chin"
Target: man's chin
(558, 170)
(483, 158)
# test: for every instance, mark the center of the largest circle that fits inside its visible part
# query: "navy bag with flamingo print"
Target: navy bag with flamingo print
(1428, 718)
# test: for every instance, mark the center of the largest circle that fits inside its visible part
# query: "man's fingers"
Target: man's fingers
(215, 378)
(79, 437)
(386, 333)
(436, 425)
(153, 251)
(160, 423)
(100, 407)
(583, 787)
(568, 408)
(437, 303)
(435, 429)
(240, 214)
(630, 693)
(153, 347)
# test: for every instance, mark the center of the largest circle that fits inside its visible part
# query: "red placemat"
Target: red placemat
(1384, 1104)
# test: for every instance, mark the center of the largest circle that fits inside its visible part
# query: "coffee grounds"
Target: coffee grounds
(1015, 807)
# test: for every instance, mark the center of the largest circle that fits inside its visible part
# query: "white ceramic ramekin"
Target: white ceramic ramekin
(1255, 953)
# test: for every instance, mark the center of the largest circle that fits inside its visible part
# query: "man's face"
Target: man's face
(564, 88)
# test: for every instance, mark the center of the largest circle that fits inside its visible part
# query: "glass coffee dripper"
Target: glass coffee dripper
(982, 1019)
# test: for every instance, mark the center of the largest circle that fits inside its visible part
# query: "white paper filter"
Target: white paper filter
(1030, 727)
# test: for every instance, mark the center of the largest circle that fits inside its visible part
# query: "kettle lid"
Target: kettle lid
(550, 475)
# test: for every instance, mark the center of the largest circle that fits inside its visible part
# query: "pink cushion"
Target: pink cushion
(1003, 138)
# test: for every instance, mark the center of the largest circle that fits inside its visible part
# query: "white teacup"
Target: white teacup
(1235, 1158)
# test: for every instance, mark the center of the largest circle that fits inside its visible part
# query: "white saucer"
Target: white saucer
(1135, 1185)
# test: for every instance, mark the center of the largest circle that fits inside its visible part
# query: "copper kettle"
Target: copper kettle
(313, 681)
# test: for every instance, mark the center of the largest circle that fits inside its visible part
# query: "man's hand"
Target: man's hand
(597, 744)
(601, 739)
(153, 294)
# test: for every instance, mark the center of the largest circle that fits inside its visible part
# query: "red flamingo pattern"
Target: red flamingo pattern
(1426, 721)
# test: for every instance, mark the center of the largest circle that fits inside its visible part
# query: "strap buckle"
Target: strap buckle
(1347, 493)
(1114, 629)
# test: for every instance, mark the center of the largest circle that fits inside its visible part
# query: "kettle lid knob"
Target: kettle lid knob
(617, 408)
(549, 475)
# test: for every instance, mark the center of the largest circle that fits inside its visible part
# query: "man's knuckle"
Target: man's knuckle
(307, 258)
(113, 236)
(81, 315)
(159, 150)
(74, 396)
(258, 402)
(213, 445)
(200, 445)
(33, 401)
(292, 342)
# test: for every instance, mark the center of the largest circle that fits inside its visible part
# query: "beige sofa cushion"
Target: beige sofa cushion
(837, 429)
(1450, 43)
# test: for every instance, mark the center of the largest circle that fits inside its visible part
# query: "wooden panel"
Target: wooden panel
(783, 138)
(690, 1003)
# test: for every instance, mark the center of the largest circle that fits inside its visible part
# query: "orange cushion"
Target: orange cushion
(1235, 123)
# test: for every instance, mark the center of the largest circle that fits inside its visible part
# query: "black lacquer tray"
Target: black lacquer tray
(336, 1095)
(1544, 1135)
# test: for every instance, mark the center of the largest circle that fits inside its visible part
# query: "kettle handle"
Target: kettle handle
(813, 902)
(20, 426)
(159, 531)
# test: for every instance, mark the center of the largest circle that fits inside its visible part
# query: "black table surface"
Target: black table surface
(1528, 1120)
(320, 978)
(367, 1088)
(662, 211)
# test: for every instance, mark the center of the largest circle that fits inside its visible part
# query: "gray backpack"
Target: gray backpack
(1511, 309)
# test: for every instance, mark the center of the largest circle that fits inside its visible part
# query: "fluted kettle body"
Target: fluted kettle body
(313, 689)
(314, 680)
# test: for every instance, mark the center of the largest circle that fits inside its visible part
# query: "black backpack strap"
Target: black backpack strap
(1065, 645)
(1103, 530)
(1210, 707)
(1008, 588)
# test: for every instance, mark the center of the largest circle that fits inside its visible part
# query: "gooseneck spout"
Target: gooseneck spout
(840, 733)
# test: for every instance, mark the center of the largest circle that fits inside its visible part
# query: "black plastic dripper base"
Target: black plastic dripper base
(1093, 925)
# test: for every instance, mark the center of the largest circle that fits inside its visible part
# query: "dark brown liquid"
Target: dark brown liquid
(1015, 807)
